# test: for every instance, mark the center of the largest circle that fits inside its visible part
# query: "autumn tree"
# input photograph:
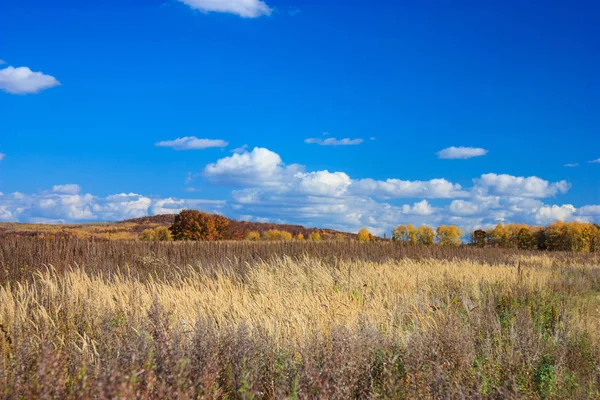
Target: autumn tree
(315, 236)
(448, 235)
(148, 235)
(364, 235)
(197, 225)
(400, 233)
(253, 236)
(276, 234)
(526, 239)
(300, 236)
(425, 235)
(478, 238)
(163, 234)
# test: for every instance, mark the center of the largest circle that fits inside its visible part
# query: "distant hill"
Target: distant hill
(132, 228)
(239, 229)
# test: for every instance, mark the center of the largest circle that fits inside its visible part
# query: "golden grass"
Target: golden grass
(288, 299)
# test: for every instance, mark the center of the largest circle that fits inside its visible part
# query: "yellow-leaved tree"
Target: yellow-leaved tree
(364, 235)
(448, 235)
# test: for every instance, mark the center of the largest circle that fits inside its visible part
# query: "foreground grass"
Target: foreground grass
(304, 327)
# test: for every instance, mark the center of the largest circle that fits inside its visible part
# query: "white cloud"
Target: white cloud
(240, 149)
(461, 152)
(2, 155)
(22, 80)
(591, 210)
(396, 188)
(333, 141)
(548, 214)
(243, 8)
(192, 143)
(572, 165)
(463, 208)
(66, 189)
(508, 185)
(323, 183)
(63, 204)
(2, 62)
(420, 208)
(595, 161)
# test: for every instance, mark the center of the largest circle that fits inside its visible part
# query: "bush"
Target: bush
(275, 234)
(148, 235)
(253, 236)
(364, 235)
(315, 236)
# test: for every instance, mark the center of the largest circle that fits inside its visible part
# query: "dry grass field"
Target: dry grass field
(134, 320)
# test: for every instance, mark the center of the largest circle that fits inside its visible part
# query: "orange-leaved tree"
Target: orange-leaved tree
(197, 225)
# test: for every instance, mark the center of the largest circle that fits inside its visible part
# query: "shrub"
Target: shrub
(148, 235)
(315, 236)
(275, 234)
(163, 234)
(364, 235)
(253, 236)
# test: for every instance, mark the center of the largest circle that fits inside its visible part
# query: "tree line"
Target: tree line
(559, 236)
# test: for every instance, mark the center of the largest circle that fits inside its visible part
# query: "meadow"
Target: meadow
(137, 320)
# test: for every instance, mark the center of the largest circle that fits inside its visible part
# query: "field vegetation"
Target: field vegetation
(295, 319)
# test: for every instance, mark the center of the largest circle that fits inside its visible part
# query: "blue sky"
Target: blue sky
(88, 90)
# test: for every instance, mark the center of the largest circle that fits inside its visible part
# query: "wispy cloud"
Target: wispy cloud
(66, 189)
(192, 143)
(333, 141)
(243, 8)
(572, 165)
(2, 155)
(595, 161)
(22, 80)
(2, 62)
(461, 152)
(241, 149)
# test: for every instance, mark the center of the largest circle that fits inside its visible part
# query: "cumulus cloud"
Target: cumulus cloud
(463, 208)
(333, 141)
(192, 143)
(323, 183)
(243, 8)
(547, 214)
(396, 188)
(22, 80)
(66, 204)
(420, 208)
(461, 152)
(66, 189)
(508, 185)
(258, 167)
